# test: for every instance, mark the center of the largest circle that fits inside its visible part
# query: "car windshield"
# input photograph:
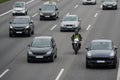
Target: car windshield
(101, 46)
(48, 8)
(70, 18)
(21, 21)
(41, 43)
(19, 4)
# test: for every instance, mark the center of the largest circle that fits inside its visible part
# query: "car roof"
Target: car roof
(22, 17)
(101, 40)
(72, 15)
(20, 2)
(43, 37)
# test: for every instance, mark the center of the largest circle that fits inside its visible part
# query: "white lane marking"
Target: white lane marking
(12, 9)
(88, 27)
(53, 27)
(95, 14)
(118, 73)
(100, 6)
(4, 73)
(59, 75)
(76, 6)
(67, 13)
(29, 1)
(35, 14)
(6, 13)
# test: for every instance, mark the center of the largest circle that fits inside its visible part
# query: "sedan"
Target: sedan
(101, 52)
(42, 48)
(70, 22)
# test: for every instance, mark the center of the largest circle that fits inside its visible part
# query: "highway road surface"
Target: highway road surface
(96, 24)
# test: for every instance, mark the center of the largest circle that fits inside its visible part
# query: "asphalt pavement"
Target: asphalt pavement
(96, 24)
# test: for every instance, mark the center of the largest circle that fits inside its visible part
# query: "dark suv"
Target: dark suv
(49, 11)
(42, 48)
(109, 4)
(101, 52)
(21, 25)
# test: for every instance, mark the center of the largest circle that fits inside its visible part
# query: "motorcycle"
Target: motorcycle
(76, 45)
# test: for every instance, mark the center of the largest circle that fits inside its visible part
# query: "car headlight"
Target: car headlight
(11, 26)
(53, 13)
(112, 54)
(27, 27)
(23, 11)
(41, 13)
(114, 4)
(49, 52)
(89, 54)
(62, 25)
(104, 4)
(29, 52)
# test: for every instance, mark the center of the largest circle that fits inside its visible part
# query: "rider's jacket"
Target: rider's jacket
(74, 36)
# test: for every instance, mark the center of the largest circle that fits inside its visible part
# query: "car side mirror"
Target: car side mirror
(115, 48)
(39, 8)
(31, 21)
(28, 45)
(117, 1)
(56, 8)
(102, 1)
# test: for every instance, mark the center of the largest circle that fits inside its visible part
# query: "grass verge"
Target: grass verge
(1, 1)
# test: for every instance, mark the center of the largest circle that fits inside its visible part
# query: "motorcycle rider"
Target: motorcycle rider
(78, 36)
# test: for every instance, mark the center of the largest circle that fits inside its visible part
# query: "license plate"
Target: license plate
(47, 16)
(39, 56)
(100, 61)
(19, 32)
(109, 6)
(69, 27)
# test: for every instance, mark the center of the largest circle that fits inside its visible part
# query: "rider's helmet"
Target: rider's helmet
(76, 31)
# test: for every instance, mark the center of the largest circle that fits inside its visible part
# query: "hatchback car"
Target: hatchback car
(19, 8)
(49, 10)
(101, 52)
(21, 25)
(42, 48)
(109, 4)
(70, 22)
(89, 2)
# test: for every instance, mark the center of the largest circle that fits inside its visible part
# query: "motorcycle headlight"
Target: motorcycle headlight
(11, 27)
(53, 13)
(29, 52)
(27, 27)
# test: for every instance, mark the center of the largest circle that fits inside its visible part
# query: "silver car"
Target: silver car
(19, 8)
(70, 22)
(89, 2)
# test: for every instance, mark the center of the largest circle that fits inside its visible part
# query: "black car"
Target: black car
(109, 4)
(49, 10)
(21, 25)
(42, 48)
(101, 52)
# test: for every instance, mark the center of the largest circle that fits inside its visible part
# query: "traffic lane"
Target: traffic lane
(105, 27)
(63, 52)
(4, 7)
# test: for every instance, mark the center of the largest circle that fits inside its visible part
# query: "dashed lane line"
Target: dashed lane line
(53, 27)
(88, 27)
(59, 75)
(35, 14)
(95, 14)
(4, 73)
(76, 6)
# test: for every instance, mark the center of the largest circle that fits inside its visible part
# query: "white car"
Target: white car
(19, 8)
(70, 22)
(89, 2)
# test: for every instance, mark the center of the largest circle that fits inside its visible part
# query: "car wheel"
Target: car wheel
(114, 66)
(52, 58)
(10, 35)
(33, 32)
(29, 60)
(87, 65)
(29, 33)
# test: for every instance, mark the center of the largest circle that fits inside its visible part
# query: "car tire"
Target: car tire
(10, 35)
(87, 65)
(29, 60)
(114, 66)
(29, 33)
(52, 58)
(33, 32)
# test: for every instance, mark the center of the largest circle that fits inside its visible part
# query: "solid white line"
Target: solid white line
(118, 73)
(59, 75)
(96, 15)
(53, 27)
(76, 6)
(12, 9)
(67, 13)
(88, 27)
(4, 73)
(35, 14)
